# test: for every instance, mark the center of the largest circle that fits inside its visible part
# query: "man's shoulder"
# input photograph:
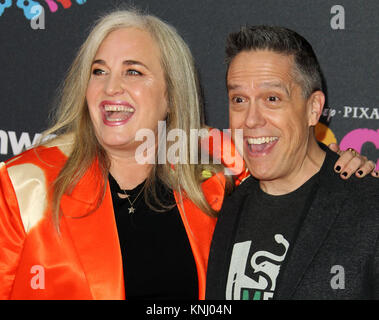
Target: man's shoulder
(235, 200)
(356, 199)
(245, 188)
(354, 187)
(362, 186)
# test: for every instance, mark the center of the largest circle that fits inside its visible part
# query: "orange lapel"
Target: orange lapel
(199, 226)
(94, 234)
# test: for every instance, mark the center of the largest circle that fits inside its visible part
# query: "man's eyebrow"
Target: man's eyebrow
(264, 85)
(233, 86)
(126, 62)
(274, 84)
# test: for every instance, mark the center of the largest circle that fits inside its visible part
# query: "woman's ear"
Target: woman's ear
(315, 105)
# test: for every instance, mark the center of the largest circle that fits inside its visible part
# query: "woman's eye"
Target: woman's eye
(133, 72)
(98, 72)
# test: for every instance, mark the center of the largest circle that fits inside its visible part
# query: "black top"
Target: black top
(157, 258)
(265, 234)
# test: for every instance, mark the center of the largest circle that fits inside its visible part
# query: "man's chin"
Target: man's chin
(259, 170)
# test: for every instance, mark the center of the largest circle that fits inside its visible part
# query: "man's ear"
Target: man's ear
(315, 105)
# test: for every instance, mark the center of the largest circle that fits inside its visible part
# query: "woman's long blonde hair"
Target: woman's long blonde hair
(184, 103)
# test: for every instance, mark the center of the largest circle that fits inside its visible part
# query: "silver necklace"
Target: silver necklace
(131, 208)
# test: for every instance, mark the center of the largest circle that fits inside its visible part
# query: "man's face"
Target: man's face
(267, 103)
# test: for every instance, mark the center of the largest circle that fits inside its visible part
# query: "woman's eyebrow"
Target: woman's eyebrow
(125, 62)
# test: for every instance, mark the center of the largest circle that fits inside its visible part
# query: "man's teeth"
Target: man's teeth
(261, 140)
(118, 108)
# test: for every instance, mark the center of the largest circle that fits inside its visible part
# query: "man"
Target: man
(292, 230)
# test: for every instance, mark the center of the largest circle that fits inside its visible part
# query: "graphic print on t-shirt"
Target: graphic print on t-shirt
(264, 265)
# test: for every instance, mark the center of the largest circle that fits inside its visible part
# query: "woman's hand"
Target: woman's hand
(351, 161)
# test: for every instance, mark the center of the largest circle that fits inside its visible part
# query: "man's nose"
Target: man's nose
(254, 117)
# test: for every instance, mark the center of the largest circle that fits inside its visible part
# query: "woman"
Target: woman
(64, 216)
(79, 216)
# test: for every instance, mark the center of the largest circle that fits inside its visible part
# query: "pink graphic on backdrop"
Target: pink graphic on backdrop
(32, 9)
(356, 138)
(54, 7)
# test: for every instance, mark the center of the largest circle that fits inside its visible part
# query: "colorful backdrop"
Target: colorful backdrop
(36, 52)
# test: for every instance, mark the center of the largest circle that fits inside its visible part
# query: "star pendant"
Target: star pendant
(131, 210)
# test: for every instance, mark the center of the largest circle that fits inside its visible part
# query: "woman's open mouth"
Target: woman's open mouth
(116, 113)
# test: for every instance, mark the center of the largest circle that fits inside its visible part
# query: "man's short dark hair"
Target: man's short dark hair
(307, 71)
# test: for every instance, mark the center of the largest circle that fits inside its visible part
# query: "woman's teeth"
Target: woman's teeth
(118, 108)
(117, 113)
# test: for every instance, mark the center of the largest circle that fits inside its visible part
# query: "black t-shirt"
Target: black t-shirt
(157, 257)
(265, 234)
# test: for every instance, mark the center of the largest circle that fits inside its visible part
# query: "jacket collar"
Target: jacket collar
(199, 226)
(324, 208)
(95, 238)
(93, 232)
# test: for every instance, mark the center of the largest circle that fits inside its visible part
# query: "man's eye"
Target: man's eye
(273, 99)
(238, 100)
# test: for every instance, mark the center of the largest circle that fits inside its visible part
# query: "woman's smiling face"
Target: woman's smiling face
(127, 89)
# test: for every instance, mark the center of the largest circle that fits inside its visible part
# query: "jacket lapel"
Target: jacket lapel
(93, 232)
(199, 226)
(323, 211)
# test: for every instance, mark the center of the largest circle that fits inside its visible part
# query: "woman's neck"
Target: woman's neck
(128, 172)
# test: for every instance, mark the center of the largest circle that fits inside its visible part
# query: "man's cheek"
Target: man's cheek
(235, 121)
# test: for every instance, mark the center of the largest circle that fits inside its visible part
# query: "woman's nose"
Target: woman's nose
(114, 85)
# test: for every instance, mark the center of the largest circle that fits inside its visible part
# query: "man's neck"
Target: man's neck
(306, 169)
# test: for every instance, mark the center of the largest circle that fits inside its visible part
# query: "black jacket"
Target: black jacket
(340, 229)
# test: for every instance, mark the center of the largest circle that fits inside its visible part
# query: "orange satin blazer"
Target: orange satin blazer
(84, 261)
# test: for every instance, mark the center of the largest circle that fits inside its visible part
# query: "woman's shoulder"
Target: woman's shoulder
(25, 178)
(39, 164)
(49, 154)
